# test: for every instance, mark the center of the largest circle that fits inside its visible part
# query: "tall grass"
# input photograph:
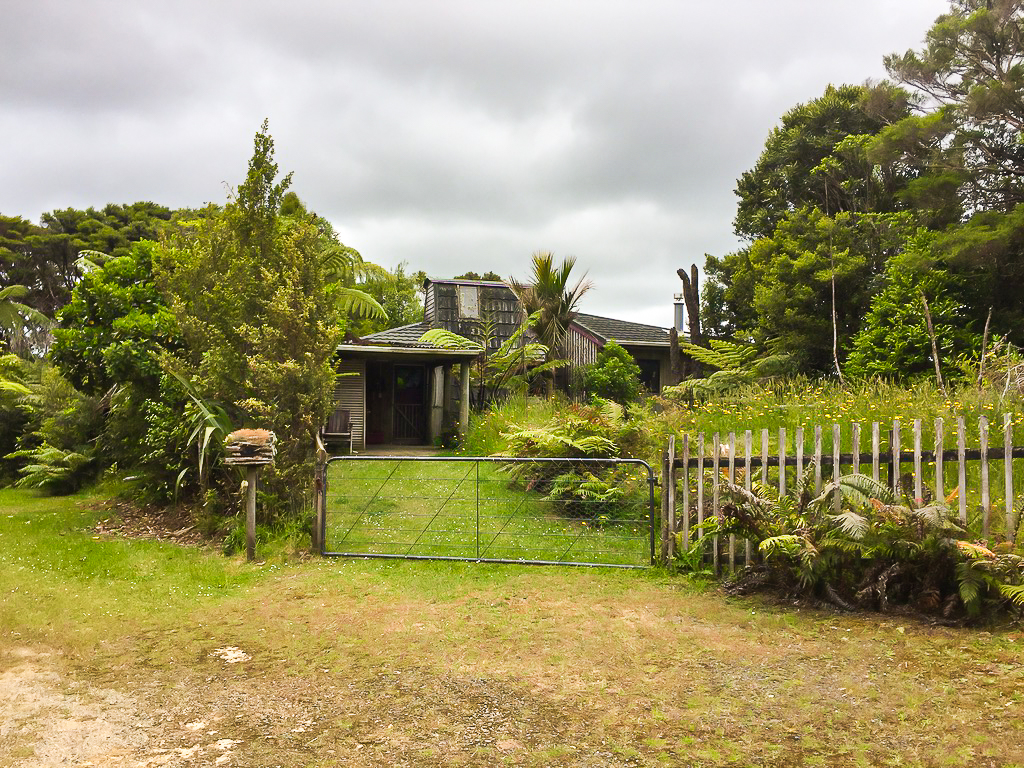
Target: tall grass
(800, 402)
(804, 403)
(486, 429)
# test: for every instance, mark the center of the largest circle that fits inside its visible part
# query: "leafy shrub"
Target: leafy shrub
(56, 470)
(16, 412)
(61, 452)
(615, 376)
(576, 432)
(893, 341)
(738, 365)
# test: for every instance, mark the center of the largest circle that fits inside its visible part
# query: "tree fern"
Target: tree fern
(1014, 593)
(54, 469)
(439, 337)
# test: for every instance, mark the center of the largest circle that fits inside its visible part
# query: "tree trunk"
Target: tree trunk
(691, 297)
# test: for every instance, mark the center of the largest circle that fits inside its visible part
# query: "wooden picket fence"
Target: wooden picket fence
(692, 473)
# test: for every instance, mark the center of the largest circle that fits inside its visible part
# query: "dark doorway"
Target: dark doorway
(378, 403)
(650, 375)
(409, 424)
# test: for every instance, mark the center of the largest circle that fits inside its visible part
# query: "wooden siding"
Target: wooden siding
(495, 303)
(429, 306)
(350, 393)
(581, 348)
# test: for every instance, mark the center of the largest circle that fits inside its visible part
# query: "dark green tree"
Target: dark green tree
(791, 276)
(46, 258)
(894, 340)
(816, 158)
(115, 327)
(970, 75)
(257, 296)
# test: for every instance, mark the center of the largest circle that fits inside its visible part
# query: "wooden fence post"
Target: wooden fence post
(686, 492)
(668, 495)
(719, 464)
(986, 505)
(1008, 475)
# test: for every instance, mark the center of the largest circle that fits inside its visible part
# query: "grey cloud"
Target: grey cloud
(454, 135)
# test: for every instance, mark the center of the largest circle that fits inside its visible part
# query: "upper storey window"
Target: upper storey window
(469, 301)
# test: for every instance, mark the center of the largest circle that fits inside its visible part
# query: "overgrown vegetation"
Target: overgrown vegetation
(874, 211)
(171, 329)
(855, 545)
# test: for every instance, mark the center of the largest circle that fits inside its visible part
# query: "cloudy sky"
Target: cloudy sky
(451, 135)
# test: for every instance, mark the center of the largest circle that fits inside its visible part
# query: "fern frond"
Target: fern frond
(1014, 593)
(788, 544)
(439, 337)
(359, 303)
(611, 411)
(974, 551)
(851, 523)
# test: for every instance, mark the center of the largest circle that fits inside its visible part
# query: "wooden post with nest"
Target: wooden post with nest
(252, 449)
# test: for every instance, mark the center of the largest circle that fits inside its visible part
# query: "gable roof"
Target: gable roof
(623, 331)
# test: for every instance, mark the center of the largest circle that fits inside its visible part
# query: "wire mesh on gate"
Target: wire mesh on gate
(551, 511)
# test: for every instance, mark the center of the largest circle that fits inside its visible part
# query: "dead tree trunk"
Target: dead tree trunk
(691, 297)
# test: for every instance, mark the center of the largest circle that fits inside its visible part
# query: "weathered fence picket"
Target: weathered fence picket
(704, 471)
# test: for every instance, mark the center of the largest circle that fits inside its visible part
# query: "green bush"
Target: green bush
(615, 376)
(60, 453)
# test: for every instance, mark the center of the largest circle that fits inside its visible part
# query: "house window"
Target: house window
(469, 301)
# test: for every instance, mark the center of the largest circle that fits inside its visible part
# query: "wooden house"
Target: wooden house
(393, 389)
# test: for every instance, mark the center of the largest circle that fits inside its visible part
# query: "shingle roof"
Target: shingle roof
(623, 331)
(604, 328)
(403, 336)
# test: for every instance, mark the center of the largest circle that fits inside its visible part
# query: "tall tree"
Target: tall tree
(970, 77)
(792, 274)
(45, 257)
(817, 210)
(809, 159)
(895, 341)
(260, 307)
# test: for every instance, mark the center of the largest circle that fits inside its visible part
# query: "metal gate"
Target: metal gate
(489, 509)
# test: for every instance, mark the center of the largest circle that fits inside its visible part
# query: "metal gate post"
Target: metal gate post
(651, 482)
(478, 510)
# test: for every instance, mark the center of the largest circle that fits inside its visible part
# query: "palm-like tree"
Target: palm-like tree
(551, 300)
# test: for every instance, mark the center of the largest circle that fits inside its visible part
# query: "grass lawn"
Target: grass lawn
(471, 509)
(117, 652)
